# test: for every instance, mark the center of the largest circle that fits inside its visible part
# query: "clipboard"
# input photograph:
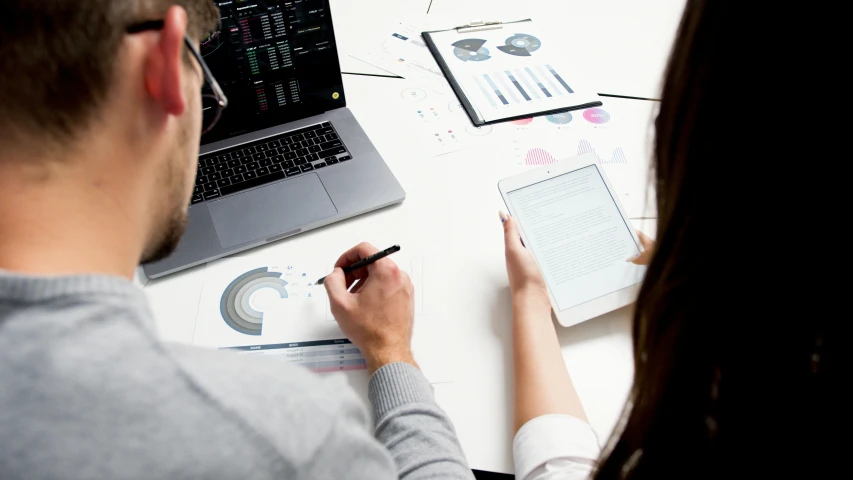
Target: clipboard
(501, 73)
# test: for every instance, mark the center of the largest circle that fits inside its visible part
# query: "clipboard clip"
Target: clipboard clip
(478, 25)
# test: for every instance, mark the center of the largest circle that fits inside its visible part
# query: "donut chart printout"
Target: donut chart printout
(273, 309)
(510, 71)
(255, 306)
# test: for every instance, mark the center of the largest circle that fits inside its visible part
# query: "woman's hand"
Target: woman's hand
(645, 256)
(525, 278)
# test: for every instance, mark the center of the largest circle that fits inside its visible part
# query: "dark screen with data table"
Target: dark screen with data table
(276, 61)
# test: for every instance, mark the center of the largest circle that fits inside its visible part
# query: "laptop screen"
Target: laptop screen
(276, 61)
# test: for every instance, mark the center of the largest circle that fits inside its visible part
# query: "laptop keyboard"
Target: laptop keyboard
(271, 159)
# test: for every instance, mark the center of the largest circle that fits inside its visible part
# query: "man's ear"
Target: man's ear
(165, 66)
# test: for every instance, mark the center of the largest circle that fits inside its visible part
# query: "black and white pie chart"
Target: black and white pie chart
(471, 49)
(521, 45)
(236, 306)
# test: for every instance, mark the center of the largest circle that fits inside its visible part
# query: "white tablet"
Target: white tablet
(571, 220)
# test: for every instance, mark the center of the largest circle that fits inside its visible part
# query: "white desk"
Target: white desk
(452, 203)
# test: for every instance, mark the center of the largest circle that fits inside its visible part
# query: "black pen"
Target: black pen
(367, 261)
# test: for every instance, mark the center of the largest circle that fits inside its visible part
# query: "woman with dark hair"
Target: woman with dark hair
(718, 390)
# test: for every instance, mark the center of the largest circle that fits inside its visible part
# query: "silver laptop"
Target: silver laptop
(286, 156)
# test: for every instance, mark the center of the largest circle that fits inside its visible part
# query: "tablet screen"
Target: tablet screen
(573, 227)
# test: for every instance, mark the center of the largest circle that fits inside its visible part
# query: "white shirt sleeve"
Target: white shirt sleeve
(555, 447)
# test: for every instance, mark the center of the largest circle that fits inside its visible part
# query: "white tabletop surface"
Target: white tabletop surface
(451, 208)
(622, 45)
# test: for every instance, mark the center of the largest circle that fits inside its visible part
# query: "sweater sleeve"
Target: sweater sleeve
(348, 450)
(411, 425)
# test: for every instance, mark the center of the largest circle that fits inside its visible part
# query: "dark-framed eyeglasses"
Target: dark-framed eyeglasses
(217, 100)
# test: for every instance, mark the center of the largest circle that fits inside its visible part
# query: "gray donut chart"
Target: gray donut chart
(235, 307)
(521, 45)
(471, 49)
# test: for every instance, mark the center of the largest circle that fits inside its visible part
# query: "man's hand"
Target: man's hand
(378, 313)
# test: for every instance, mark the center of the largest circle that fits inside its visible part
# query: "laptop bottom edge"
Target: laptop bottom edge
(250, 245)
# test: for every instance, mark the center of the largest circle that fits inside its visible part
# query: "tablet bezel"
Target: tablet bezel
(597, 306)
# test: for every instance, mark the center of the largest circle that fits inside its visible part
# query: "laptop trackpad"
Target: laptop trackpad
(271, 210)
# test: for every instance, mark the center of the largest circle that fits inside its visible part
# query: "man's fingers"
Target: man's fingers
(382, 268)
(359, 284)
(356, 253)
(356, 277)
(336, 287)
(512, 239)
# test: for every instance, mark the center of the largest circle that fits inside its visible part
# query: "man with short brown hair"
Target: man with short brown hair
(100, 120)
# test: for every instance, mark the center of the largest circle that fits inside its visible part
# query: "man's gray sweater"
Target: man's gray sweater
(88, 391)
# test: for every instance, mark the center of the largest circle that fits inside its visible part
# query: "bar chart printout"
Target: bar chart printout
(530, 85)
(319, 356)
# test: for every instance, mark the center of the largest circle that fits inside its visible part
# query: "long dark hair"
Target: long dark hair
(715, 383)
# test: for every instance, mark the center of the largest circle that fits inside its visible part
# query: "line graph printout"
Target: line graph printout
(546, 140)
(619, 133)
(533, 150)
